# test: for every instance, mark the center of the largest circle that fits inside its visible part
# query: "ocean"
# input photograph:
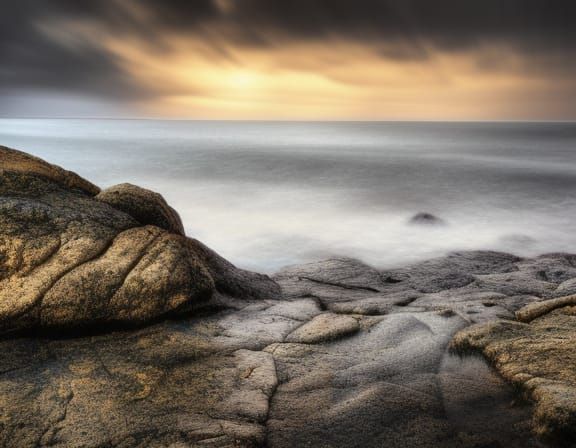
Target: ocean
(269, 194)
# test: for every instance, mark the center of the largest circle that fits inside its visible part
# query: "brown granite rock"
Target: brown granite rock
(539, 358)
(537, 309)
(324, 327)
(145, 206)
(13, 160)
(69, 260)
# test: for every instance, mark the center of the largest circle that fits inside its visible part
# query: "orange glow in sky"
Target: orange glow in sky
(210, 75)
(340, 81)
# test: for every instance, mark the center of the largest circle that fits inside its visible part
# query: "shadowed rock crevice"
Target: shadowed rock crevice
(339, 285)
(231, 280)
(538, 358)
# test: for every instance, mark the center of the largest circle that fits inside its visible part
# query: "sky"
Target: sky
(289, 59)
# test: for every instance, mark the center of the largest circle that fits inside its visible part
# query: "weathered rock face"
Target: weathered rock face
(280, 373)
(68, 260)
(388, 380)
(539, 358)
(231, 280)
(331, 354)
(145, 206)
(168, 385)
(537, 354)
(13, 160)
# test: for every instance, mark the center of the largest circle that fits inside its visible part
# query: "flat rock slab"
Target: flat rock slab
(323, 328)
(389, 386)
(169, 383)
(282, 372)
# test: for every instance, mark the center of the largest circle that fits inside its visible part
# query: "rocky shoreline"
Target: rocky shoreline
(118, 330)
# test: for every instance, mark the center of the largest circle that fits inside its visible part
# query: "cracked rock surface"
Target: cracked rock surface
(328, 354)
(538, 356)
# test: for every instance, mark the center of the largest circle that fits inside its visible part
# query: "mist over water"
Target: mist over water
(268, 194)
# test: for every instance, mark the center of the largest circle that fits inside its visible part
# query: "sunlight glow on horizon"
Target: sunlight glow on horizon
(329, 80)
(300, 83)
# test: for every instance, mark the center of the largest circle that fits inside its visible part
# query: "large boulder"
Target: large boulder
(69, 260)
(145, 206)
(13, 160)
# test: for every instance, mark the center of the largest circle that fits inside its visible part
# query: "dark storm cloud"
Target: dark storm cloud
(447, 23)
(397, 29)
(29, 58)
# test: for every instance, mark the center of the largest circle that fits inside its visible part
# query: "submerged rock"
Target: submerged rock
(426, 219)
(517, 240)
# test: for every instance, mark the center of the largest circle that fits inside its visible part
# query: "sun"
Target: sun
(242, 79)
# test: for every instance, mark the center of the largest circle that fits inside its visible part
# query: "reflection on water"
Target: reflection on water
(267, 194)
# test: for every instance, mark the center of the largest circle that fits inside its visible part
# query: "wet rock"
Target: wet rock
(539, 359)
(472, 262)
(470, 387)
(426, 219)
(455, 270)
(441, 281)
(331, 393)
(552, 268)
(145, 206)
(523, 282)
(346, 273)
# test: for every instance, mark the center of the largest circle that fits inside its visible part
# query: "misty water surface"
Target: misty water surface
(268, 194)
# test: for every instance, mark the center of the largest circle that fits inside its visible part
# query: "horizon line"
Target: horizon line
(296, 120)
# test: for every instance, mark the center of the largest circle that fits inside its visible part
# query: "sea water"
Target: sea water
(269, 194)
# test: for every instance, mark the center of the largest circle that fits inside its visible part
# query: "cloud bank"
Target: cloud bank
(310, 59)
